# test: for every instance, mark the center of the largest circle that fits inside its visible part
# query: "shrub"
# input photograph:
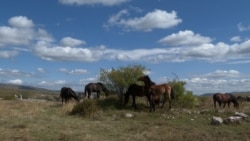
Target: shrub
(87, 108)
(186, 101)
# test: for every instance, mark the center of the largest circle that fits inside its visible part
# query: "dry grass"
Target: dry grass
(38, 121)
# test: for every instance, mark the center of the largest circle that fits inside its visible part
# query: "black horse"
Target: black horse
(67, 93)
(95, 87)
(135, 90)
(224, 99)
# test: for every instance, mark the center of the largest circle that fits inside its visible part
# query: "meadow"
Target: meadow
(43, 120)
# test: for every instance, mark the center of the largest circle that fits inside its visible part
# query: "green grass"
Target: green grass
(42, 121)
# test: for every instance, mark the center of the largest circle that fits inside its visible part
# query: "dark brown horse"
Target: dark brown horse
(67, 93)
(135, 90)
(155, 92)
(224, 99)
(95, 87)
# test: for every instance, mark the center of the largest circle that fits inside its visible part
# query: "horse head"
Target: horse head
(147, 81)
(234, 100)
(104, 89)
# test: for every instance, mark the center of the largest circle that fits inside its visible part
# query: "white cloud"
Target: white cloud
(93, 2)
(8, 54)
(219, 81)
(21, 32)
(73, 72)
(9, 73)
(184, 38)
(157, 19)
(15, 82)
(41, 70)
(21, 22)
(71, 42)
(235, 39)
(243, 28)
(50, 52)
(223, 74)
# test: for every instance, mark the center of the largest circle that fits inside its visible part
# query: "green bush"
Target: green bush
(110, 103)
(87, 108)
(186, 101)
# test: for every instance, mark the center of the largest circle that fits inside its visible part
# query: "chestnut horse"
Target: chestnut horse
(226, 98)
(155, 92)
(67, 93)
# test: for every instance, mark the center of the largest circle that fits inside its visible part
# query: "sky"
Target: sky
(55, 43)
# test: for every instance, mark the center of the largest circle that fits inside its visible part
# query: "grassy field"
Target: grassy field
(50, 121)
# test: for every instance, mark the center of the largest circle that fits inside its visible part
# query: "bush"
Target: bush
(110, 103)
(186, 101)
(87, 108)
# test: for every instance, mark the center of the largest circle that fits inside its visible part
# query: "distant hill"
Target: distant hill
(8, 91)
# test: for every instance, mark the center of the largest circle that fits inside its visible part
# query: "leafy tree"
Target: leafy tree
(119, 79)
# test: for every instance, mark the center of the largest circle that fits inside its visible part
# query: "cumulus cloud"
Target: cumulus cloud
(14, 34)
(157, 19)
(219, 81)
(93, 2)
(21, 32)
(52, 52)
(15, 82)
(69, 41)
(21, 22)
(184, 38)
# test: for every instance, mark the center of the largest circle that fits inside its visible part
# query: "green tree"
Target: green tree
(119, 79)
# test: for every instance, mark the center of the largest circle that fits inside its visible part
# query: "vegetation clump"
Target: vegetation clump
(87, 108)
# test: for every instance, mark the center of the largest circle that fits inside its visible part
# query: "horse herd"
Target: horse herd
(155, 93)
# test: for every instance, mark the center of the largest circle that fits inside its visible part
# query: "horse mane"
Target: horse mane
(148, 80)
(100, 83)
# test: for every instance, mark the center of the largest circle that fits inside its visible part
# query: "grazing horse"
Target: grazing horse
(67, 93)
(135, 90)
(95, 87)
(155, 92)
(226, 98)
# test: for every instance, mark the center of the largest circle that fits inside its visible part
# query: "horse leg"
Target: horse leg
(170, 102)
(98, 95)
(224, 105)
(134, 104)
(62, 100)
(214, 104)
(151, 103)
(219, 104)
(89, 94)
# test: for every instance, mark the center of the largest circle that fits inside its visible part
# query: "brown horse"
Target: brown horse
(226, 98)
(155, 92)
(95, 87)
(135, 90)
(67, 93)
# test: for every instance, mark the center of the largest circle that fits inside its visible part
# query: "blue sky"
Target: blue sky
(57, 43)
